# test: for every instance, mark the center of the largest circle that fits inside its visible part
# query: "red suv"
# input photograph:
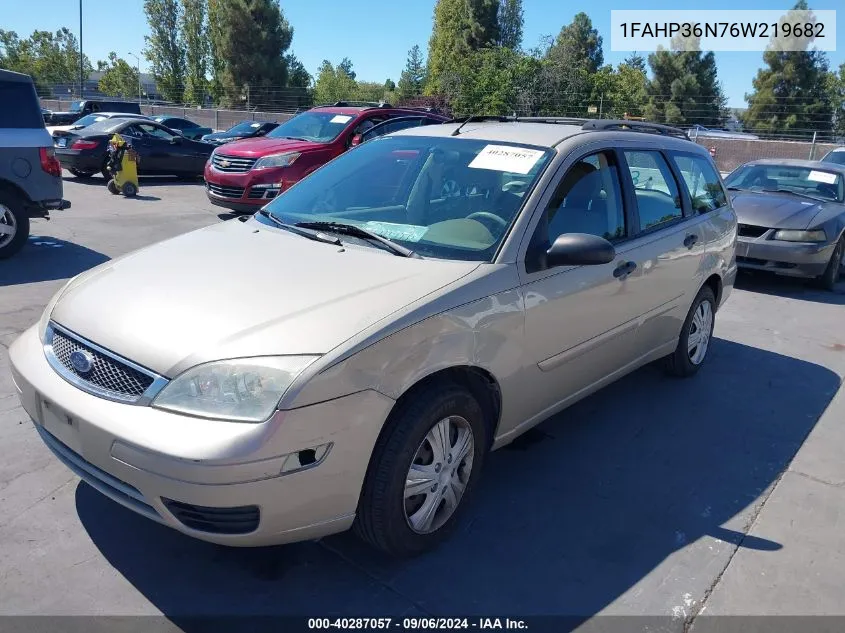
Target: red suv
(244, 175)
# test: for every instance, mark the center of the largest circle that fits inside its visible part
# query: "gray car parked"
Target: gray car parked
(30, 175)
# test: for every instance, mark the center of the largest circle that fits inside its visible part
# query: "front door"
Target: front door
(580, 321)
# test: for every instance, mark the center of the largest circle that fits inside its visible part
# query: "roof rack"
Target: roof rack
(361, 104)
(635, 126)
(565, 120)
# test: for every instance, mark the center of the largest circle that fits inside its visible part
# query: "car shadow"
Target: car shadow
(567, 519)
(45, 258)
(144, 181)
(790, 287)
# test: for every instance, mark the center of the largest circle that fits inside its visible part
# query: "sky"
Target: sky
(376, 35)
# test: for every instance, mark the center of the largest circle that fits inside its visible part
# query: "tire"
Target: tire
(112, 187)
(129, 190)
(14, 221)
(684, 361)
(385, 516)
(831, 275)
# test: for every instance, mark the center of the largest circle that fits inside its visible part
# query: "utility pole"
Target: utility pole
(81, 64)
(138, 68)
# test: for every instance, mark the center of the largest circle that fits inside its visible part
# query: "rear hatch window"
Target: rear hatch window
(19, 106)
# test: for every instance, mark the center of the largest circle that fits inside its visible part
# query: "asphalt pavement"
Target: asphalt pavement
(676, 499)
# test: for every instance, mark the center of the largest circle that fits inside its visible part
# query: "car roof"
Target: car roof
(797, 162)
(8, 75)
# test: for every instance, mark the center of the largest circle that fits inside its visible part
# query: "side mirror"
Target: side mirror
(357, 140)
(580, 249)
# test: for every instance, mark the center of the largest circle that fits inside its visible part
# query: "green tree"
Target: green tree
(216, 61)
(389, 85)
(511, 22)
(49, 57)
(249, 43)
(298, 77)
(412, 79)
(119, 79)
(792, 92)
(165, 48)
(635, 61)
(195, 38)
(578, 45)
(334, 83)
(369, 91)
(483, 25)
(685, 89)
(836, 86)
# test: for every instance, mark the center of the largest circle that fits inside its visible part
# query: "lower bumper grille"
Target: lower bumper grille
(98, 479)
(750, 230)
(237, 520)
(225, 191)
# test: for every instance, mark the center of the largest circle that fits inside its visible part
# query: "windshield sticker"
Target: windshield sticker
(505, 158)
(822, 176)
(402, 232)
(341, 118)
(255, 125)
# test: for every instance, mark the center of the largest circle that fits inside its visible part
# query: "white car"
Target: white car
(88, 119)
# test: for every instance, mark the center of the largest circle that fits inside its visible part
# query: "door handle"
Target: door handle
(690, 240)
(624, 269)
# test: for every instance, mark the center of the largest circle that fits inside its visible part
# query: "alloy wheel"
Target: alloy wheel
(8, 225)
(439, 474)
(700, 331)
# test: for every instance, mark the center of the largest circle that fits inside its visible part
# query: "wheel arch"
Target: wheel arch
(10, 187)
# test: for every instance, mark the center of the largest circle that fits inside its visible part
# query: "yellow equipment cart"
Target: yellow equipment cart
(123, 166)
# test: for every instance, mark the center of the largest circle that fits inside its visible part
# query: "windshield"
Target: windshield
(88, 119)
(321, 127)
(76, 106)
(106, 126)
(447, 198)
(836, 156)
(244, 127)
(815, 183)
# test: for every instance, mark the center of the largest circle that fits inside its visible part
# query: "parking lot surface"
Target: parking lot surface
(721, 494)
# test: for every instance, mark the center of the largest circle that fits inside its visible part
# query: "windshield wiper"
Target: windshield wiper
(295, 138)
(795, 193)
(356, 231)
(316, 237)
(735, 189)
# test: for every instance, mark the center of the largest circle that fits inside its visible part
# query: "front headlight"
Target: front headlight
(276, 160)
(241, 390)
(800, 236)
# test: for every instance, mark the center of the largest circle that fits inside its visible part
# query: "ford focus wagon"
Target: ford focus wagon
(349, 355)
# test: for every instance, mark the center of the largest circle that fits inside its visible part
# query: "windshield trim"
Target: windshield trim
(353, 118)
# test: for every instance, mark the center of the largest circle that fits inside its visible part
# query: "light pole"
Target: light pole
(138, 67)
(81, 65)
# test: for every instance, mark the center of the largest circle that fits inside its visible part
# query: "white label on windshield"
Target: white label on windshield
(403, 232)
(822, 176)
(341, 118)
(505, 158)
(255, 125)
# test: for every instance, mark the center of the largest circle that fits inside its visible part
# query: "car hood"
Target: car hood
(239, 289)
(774, 210)
(264, 146)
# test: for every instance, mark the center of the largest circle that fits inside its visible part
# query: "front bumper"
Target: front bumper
(245, 191)
(793, 259)
(153, 461)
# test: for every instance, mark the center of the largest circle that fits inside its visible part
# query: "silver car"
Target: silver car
(349, 355)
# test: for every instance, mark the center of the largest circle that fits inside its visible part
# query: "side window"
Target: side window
(658, 198)
(588, 200)
(156, 132)
(702, 181)
(132, 131)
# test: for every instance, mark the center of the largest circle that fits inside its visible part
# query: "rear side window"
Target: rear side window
(701, 179)
(19, 106)
(658, 198)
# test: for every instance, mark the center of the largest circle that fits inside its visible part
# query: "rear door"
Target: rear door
(667, 248)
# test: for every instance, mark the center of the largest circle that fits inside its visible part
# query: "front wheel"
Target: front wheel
(129, 190)
(834, 267)
(423, 471)
(694, 341)
(14, 224)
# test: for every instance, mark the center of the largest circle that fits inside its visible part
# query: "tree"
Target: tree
(298, 77)
(165, 48)
(412, 79)
(49, 57)
(334, 83)
(389, 85)
(216, 61)
(369, 91)
(836, 85)
(510, 24)
(249, 43)
(460, 27)
(684, 89)
(792, 93)
(635, 61)
(578, 45)
(119, 78)
(195, 37)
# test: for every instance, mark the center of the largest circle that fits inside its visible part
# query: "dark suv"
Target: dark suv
(30, 175)
(79, 109)
(244, 175)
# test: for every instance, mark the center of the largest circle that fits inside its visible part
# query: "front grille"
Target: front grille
(225, 191)
(232, 164)
(107, 373)
(97, 478)
(749, 230)
(262, 193)
(237, 520)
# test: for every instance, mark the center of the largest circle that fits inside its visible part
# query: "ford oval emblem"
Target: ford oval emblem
(82, 361)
